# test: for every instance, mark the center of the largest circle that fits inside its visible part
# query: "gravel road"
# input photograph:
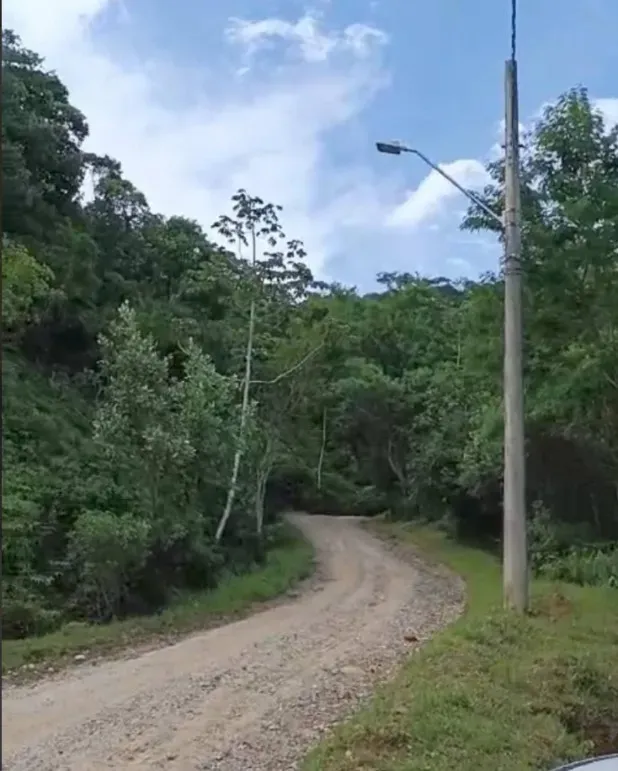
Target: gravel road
(254, 695)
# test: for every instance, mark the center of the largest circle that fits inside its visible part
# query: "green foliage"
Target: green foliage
(122, 398)
(564, 553)
(126, 339)
(41, 136)
(586, 567)
(25, 281)
(105, 550)
(288, 561)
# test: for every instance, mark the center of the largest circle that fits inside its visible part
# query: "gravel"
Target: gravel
(254, 695)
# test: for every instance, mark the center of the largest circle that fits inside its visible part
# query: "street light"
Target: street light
(515, 567)
(396, 148)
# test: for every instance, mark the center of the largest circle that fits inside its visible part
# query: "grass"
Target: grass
(493, 692)
(285, 566)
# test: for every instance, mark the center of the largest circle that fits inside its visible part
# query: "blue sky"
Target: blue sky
(287, 98)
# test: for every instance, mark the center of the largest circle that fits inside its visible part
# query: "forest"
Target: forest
(166, 398)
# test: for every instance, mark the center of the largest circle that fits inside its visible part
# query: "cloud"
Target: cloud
(434, 192)
(266, 134)
(609, 109)
(434, 206)
(497, 149)
(262, 118)
(314, 43)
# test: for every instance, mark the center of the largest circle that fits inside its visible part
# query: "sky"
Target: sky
(286, 99)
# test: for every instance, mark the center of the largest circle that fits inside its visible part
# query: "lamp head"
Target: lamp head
(390, 148)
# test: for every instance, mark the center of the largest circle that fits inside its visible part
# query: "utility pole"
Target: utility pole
(515, 562)
(515, 558)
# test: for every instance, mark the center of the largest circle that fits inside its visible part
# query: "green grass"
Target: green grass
(284, 567)
(493, 692)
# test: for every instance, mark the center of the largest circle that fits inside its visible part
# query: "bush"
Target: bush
(584, 566)
(24, 616)
(563, 552)
(106, 551)
(111, 508)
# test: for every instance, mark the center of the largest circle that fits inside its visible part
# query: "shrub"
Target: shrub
(106, 551)
(584, 566)
(563, 552)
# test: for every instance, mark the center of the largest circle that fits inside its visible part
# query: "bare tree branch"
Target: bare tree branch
(289, 371)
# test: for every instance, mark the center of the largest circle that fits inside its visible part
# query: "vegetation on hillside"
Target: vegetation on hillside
(164, 397)
(284, 566)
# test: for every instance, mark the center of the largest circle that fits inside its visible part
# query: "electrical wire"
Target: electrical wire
(513, 30)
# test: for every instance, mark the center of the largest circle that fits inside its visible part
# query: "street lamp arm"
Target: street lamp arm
(470, 196)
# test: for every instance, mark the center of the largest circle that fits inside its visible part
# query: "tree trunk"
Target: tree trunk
(244, 412)
(396, 469)
(259, 506)
(260, 494)
(262, 474)
(322, 451)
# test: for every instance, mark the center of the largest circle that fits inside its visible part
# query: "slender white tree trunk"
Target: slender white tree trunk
(244, 412)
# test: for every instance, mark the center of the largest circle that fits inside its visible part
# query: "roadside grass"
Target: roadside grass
(287, 564)
(492, 692)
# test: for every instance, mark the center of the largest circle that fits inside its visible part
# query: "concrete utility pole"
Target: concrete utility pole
(515, 559)
(515, 564)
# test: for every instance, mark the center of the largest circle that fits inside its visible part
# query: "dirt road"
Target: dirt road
(250, 696)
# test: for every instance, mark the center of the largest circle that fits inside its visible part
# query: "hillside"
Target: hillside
(165, 399)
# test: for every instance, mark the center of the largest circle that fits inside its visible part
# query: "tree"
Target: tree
(25, 282)
(41, 143)
(254, 222)
(165, 397)
(570, 239)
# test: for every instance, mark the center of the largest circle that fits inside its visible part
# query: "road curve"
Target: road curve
(255, 694)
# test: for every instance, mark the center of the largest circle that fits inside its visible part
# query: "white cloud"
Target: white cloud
(266, 135)
(314, 43)
(609, 108)
(45, 28)
(434, 192)
(497, 149)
